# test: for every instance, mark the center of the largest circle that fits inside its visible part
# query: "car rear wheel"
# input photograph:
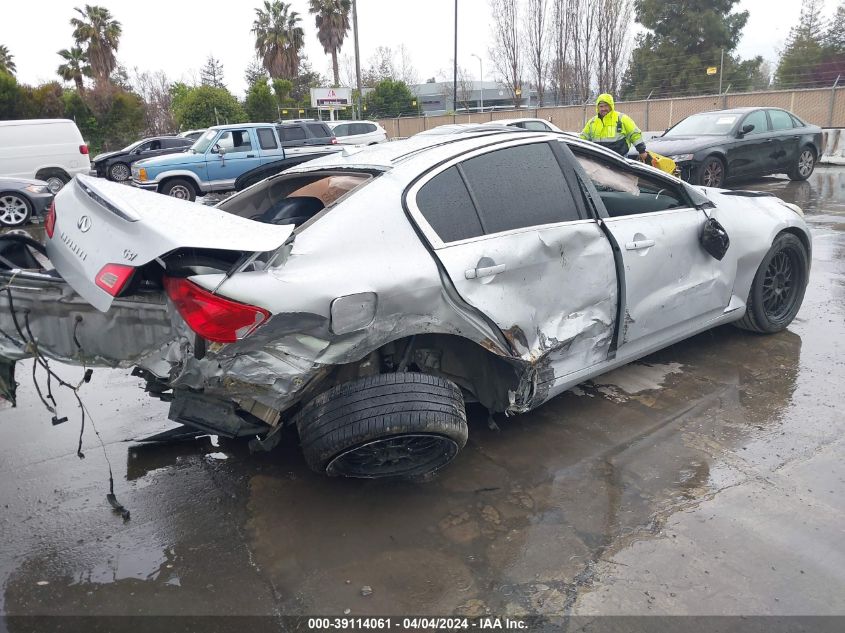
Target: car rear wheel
(55, 179)
(402, 425)
(778, 287)
(804, 166)
(15, 209)
(119, 172)
(179, 188)
(712, 172)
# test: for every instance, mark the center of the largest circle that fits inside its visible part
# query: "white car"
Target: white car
(357, 132)
(363, 297)
(51, 150)
(532, 125)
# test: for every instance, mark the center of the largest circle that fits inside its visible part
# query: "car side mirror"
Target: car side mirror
(748, 127)
(218, 150)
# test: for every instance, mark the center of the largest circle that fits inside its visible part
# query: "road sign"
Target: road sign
(331, 98)
(712, 70)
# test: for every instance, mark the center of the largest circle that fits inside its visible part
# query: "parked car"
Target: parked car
(712, 148)
(117, 166)
(365, 296)
(224, 152)
(51, 150)
(21, 199)
(358, 132)
(531, 124)
(192, 134)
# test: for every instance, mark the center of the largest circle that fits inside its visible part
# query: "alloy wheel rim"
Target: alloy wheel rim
(395, 456)
(780, 286)
(713, 174)
(120, 172)
(13, 210)
(805, 163)
(181, 192)
(54, 184)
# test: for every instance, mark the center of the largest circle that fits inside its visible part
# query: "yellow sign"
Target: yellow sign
(712, 70)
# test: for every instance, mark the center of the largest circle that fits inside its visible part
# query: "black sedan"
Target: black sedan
(117, 166)
(711, 148)
(21, 198)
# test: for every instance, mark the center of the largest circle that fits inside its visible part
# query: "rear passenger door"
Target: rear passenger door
(517, 245)
(786, 137)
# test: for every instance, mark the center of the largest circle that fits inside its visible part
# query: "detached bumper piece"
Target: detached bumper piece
(217, 417)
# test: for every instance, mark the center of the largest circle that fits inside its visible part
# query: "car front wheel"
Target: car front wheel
(119, 172)
(712, 172)
(804, 166)
(179, 188)
(14, 209)
(778, 287)
(402, 425)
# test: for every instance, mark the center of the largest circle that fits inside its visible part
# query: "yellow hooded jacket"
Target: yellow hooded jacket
(615, 131)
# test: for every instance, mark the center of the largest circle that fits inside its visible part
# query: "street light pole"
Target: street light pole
(455, 65)
(481, 79)
(357, 55)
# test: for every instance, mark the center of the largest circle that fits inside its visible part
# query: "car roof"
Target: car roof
(236, 126)
(426, 151)
(339, 121)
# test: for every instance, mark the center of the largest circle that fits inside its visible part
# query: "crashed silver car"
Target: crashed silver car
(363, 298)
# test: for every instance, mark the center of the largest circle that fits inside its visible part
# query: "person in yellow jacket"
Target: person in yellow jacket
(614, 130)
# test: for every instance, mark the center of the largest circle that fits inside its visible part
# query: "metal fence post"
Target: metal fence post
(725, 97)
(647, 128)
(832, 101)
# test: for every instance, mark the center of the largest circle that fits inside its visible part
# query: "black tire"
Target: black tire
(55, 179)
(388, 425)
(778, 287)
(712, 172)
(181, 188)
(15, 209)
(120, 172)
(804, 165)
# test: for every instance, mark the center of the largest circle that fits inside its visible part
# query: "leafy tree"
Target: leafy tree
(47, 99)
(390, 99)
(278, 38)
(804, 50)
(100, 33)
(7, 63)
(212, 73)
(75, 67)
(835, 36)
(10, 96)
(684, 38)
(332, 22)
(283, 88)
(254, 72)
(202, 106)
(260, 104)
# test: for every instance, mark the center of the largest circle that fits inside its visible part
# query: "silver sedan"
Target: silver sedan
(366, 296)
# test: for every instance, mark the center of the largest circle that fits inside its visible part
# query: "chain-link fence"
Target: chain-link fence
(821, 106)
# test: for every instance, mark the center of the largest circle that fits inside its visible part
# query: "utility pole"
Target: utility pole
(455, 64)
(721, 65)
(357, 56)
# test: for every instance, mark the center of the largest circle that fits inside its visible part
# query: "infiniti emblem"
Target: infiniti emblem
(84, 223)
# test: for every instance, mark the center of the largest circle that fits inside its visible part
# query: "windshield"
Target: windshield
(203, 142)
(709, 123)
(131, 146)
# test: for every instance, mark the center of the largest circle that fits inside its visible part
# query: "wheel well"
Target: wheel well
(482, 375)
(45, 173)
(813, 149)
(801, 235)
(166, 180)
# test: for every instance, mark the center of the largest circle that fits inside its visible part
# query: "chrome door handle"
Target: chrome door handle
(487, 271)
(639, 245)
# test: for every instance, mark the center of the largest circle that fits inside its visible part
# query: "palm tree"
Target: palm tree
(278, 39)
(75, 67)
(332, 21)
(7, 65)
(100, 32)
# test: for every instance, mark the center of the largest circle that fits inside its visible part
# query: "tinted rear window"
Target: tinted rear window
(780, 120)
(362, 128)
(266, 138)
(319, 130)
(446, 205)
(519, 187)
(291, 133)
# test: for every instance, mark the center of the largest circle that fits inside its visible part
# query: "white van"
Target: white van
(45, 149)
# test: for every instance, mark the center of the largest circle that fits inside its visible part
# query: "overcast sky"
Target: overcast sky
(177, 36)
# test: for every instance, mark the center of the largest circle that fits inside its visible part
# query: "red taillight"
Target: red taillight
(83, 149)
(50, 220)
(334, 141)
(113, 277)
(212, 317)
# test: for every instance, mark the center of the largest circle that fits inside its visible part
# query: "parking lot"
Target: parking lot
(706, 479)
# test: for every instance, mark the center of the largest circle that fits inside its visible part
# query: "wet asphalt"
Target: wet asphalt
(706, 479)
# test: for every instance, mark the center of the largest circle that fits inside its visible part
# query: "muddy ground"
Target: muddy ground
(707, 479)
